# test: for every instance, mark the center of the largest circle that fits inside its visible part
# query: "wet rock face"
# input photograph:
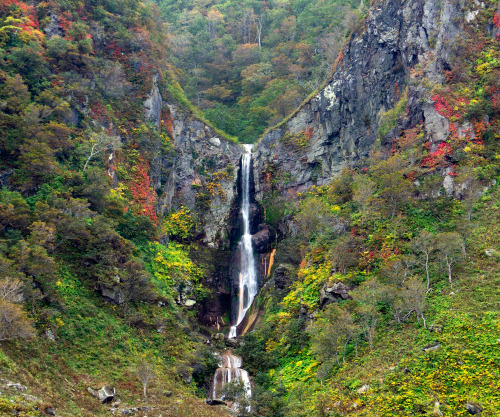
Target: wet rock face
(337, 128)
(263, 238)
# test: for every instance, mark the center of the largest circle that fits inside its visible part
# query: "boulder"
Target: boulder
(333, 293)
(363, 389)
(435, 328)
(431, 347)
(436, 126)
(448, 184)
(473, 408)
(436, 411)
(215, 401)
(189, 302)
(105, 395)
(214, 141)
(153, 104)
(489, 252)
(232, 343)
(49, 411)
(264, 238)
(114, 294)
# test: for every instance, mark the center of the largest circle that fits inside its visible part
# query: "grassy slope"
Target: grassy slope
(93, 347)
(465, 369)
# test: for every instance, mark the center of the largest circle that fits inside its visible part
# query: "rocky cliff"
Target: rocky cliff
(400, 47)
(200, 173)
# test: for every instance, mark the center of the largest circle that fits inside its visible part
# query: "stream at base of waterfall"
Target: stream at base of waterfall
(230, 365)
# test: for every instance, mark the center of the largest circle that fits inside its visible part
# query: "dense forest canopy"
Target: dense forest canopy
(248, 64)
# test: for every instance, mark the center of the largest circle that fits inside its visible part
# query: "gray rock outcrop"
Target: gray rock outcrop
(333, 293)
(153, 104)
(336, 128)
(105, 395)
(201, 176)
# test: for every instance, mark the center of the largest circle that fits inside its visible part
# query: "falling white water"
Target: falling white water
(230, 370)
(248, 285)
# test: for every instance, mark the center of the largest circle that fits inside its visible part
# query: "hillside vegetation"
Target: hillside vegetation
(391, 301)
(387, 303)
(88, 295)
(248, 64)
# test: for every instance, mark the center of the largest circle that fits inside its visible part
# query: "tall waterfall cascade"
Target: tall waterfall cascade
(230, 370)
(248, 284)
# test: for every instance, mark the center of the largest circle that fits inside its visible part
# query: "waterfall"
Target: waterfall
(230, 370)
(248, 285)
(230, 365)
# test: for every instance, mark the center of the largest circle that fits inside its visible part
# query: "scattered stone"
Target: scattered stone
(49, 334)
(218, 339)
(489, 252)
(53, 28)
(30, 398)
(303, 312)
(49, 411)
(473, 408)
(232, 343)
(333, 293)
(16, 385)
(185, 372)
(189, 302)
(282, 276)
(337, 404)
(116, 404)
(435, 328)
(363, 389)
(431, 347)
(105, 395)
(215, 402)
(437, 411)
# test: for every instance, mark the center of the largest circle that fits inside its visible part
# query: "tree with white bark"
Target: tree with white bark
(449, 248)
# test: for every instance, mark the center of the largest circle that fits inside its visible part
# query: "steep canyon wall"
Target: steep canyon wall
(400, 47)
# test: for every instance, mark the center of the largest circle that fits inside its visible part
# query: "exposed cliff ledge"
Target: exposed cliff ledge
(337, 127)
